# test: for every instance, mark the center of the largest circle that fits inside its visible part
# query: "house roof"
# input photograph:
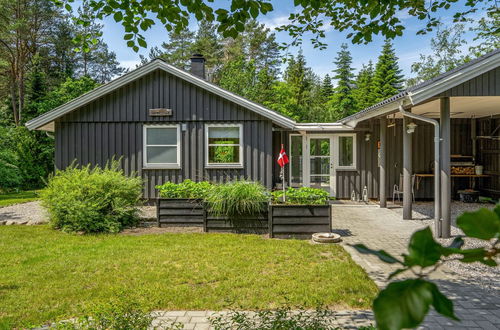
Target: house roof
(429, 88)
(49, 117)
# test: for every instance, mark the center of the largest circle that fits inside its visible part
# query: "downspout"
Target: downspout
(437, 170)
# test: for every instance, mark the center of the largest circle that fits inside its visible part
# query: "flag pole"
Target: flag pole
(283, 179)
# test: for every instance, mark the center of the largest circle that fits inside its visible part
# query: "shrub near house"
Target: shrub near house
(92, 200)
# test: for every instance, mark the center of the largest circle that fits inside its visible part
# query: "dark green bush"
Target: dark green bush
(301, 196)
(121, 313)
(187, 189)
(10, 175)
(283, 318)
(92, 200)
(237, 198)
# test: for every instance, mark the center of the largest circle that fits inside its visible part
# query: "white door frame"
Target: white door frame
(307, 159)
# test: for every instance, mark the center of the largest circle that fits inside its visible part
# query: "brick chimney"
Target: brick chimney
(198, 65)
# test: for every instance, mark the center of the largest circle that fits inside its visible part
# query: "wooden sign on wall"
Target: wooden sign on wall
(160, 112)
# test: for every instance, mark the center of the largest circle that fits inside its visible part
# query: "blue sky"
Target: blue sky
(407, 47)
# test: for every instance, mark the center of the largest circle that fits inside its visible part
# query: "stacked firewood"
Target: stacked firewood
(462, 170)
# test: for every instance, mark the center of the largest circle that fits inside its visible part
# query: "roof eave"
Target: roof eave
(423, 94)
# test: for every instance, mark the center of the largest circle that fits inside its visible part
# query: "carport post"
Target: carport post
(445, 167)
(381, 159)
(407, 171)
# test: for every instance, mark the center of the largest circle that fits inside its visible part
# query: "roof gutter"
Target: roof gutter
(381, 111)
(437, 170)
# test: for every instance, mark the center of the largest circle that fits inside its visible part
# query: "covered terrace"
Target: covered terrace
(450, 131)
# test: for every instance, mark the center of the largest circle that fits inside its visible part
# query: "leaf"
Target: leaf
(483, 224)
(381, 254)
(118, 16)
(423, 250)
(442, 304)
(404, 304)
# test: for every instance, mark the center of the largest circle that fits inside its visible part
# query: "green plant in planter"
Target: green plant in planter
(186, 189)
(301, 196)
(237, 198)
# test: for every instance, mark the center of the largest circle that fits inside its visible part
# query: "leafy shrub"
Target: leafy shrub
(237, 198)
(301, 196)
(92, 200)
(186, 189)
(10, 176)
(283, 318)
(121, 313)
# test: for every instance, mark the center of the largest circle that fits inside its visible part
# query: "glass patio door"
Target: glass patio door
(321, 174)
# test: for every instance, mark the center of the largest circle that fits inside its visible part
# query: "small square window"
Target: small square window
(161, 146)
(224, 145)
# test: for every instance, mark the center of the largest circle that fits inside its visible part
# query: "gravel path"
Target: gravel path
(486, 277)
(25, 213)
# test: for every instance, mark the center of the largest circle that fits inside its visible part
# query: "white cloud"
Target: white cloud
(275, 22)
(130, 64)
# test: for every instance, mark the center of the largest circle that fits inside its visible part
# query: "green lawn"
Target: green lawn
(19, 197)
(47, 275)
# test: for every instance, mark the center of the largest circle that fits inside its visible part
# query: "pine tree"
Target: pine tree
(342, 101)
(363, 93)
(326, 88)
(387, 80)
(179, 48)
(207, 42)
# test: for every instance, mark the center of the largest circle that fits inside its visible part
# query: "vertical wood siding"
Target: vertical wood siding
(112, 127)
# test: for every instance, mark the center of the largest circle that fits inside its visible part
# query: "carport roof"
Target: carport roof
(425, 90)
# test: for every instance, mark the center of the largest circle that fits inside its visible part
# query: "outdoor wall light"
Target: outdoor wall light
(367, 137)
(410, 128)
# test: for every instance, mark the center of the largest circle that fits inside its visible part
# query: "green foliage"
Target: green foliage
(301, 196)
(404, 304)
(186, 189)
(483, 224)
(92, 200)
(18, 197)
(282, 318)
(309, 17)
(122, 312)
(67, 91)
(363, 93)
(10, 175)
(237, 198)
(342, 101)
(488, 33)
(447, 54)
(387, 79)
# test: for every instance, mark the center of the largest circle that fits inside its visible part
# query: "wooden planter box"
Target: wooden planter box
(299, 221)
(179, 212)
(252, 224)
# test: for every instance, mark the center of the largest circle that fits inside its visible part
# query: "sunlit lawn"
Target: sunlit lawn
(18, 197)
(46, 275)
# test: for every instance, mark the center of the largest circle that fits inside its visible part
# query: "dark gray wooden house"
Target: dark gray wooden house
(169, 125)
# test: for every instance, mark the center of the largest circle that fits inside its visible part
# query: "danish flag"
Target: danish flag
(282, 158)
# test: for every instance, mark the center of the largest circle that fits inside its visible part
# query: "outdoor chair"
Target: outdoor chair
(397, 190)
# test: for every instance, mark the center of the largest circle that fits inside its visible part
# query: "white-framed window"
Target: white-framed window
(346, 152)
(161, 146)
(224, 145)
